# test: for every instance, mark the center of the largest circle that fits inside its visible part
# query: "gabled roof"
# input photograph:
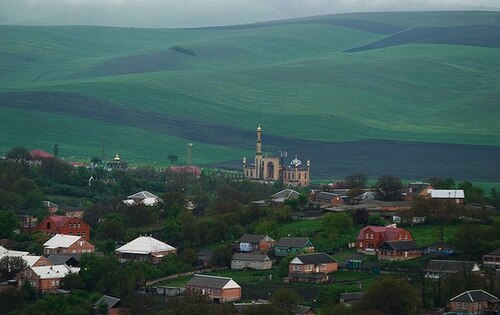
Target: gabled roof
(212, 282)
(31, 260)
(293, 242)
(474, 296)
(325, 195)
(70, 260)
(250, 256)
(59, 220)
(496, 252)
(450, 266)
(285, 194)
(145, 245)
(40, 154)
(54, 272)
(254, 238)
(400, 245)
(447, 193)
(351, 296)
(48, 204)
(313, 259)
(61, 240)
(109, 301)
(387, 233)
(143, 195)
(12, 253)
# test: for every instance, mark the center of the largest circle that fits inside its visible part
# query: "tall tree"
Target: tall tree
(356, 181)
(389, 188)
(172, 158)
(390, 297)
(18, 154)
(10, 266)
(8, 223)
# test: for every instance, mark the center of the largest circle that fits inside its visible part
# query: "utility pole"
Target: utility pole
(189, 153)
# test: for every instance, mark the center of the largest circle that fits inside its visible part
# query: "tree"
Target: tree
(8, 223)
(360, 216)
(375, 219)
(172, 158)
(389, 296)
(336, 223)
(356, 181)
(389, 188)
(286, 300)
(221, 257)
(10, 266)
(18, 154)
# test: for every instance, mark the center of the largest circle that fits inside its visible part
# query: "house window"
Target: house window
(459, 305)
(367, 236)
(322, 267)
(78, 225)
(406, 236)
(400, 236)
(371, 236)
(53, 283)
(296, 267)
(464, 305)
(309, 267)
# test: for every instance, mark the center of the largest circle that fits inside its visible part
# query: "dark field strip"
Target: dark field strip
(474, 35)
(409, 160)
(360, 25)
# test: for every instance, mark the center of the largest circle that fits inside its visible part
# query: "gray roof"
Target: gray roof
(109, 301)
(316, 258)
(210, 281)
(250, 256)
(400, 245)
(253, 238)
(449, 266)
(286, 194)
(58, 259)
(351, 296)
(474, 296)
(292, 242)
(142, 195)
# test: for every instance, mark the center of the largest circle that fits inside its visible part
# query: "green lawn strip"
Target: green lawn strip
(426, 235)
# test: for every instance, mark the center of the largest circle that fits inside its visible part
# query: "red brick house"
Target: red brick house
(253, 242)
(45, 278)
(371, 237)
(67, 244)
(471, 302)
(315, 267)
(57, 224)
(398, 250)
(218, 289)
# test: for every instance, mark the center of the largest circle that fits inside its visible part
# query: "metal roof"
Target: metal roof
(145, 245)
(474, 296)
(212, 282)
(315, 258)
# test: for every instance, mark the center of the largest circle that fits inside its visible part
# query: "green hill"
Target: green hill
(409, 94)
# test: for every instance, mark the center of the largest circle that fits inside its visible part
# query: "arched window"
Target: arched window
(270, 169)
(48, 225)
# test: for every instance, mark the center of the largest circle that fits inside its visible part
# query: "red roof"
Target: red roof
(40, 154)
(387, 233)
(59, 220)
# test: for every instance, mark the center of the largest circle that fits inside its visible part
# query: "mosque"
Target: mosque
(273, 168)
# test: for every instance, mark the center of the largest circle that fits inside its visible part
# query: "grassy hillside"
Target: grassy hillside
(426, 94)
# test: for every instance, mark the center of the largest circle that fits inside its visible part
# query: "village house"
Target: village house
(57, 224)
(371, 237)
(142, 197)
(12, 253)
(109, 305)
(145, 248)
(452, 196)
(473, 302)
(492, 259)
(315, 267)
(293, 246)
(327, 199)
(45, 278)
(67, 244)
(72, 260)
(50, 206)
(437, 269)
(350, 298)
(218, 289)
(398, 250)
(439, 248)
(417, 190)
(73, 212)
(36, 261)
(255, 242)
(251, 261)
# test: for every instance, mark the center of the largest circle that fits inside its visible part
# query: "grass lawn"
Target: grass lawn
(425, 235)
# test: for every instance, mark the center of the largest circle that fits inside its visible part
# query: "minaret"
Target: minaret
(258, 153)
(308, 172)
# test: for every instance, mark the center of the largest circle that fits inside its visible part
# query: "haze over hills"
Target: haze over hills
(411, 94)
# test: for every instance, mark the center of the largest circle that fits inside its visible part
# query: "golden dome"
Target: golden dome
(117, 157)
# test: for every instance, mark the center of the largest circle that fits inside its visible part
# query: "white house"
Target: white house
(145, 248)
(143, 197)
